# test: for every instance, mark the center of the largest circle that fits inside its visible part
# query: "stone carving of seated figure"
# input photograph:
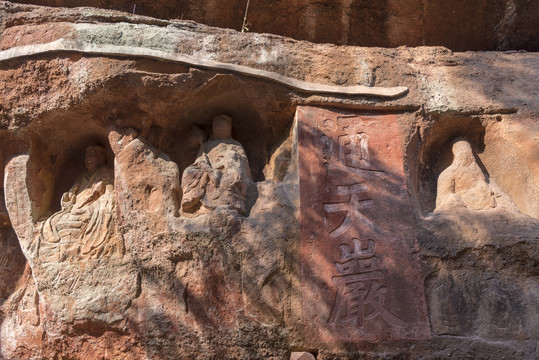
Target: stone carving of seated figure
(84, 227)
(463, 182)
(220, 175)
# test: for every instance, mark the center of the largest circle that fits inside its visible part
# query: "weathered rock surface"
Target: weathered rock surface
(457, 24)
(107, 262)
(355, 233)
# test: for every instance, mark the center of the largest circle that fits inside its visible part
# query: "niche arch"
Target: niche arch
(255, 124)
(57, 152)
(434, 154)
(495, 143)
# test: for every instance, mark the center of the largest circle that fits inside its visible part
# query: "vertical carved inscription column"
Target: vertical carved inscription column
(360, 272)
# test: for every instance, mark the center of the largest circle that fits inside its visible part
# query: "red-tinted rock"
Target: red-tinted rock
(225, 284)
(360, 278)
(457, 24)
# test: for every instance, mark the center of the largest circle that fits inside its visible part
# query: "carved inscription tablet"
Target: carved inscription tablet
(360, 273)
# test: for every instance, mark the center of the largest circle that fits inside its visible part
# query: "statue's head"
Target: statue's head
(196, 137)
(462, 150)
(94, 157)
(222, 127)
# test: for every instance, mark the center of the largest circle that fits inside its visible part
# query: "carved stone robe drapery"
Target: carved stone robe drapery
(463, 182)
(218, 178)
(84, 227)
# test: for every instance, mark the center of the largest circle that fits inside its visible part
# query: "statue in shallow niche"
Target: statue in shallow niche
(463, 183)
(220, 175)
(84, 227)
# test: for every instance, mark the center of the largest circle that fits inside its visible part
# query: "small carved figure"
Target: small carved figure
(83, 228)
(463, 182)
(220, 175)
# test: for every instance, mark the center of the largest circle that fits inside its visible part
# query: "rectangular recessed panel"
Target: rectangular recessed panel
(359, 260)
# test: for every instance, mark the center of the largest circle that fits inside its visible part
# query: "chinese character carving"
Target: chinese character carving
(360, 289)
(357, 201)
(354, 150)
(327, 149)
(353, 198)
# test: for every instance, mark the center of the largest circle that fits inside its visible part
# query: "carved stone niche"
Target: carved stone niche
(497, 155)
(472, 289)
(431, 153)
(74, 247)
(220, 176)
(261, 116)
(463, 183)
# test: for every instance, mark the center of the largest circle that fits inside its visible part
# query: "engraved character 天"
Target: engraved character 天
(358, 200)
(360, 291)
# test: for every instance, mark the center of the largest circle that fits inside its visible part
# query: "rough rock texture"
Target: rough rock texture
(354, 231)
(457, 24)
(229, 281)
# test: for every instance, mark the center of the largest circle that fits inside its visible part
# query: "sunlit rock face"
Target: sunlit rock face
(171, 190)
(460, 25)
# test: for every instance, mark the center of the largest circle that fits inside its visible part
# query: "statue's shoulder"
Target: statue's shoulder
(222, 144)
(104, 173)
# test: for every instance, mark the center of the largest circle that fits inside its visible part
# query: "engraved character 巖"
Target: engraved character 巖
(360, 291)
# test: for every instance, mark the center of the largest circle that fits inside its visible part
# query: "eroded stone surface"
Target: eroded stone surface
(360, 273)
(22, 328)
(227, 283)
(463, 183)
(77, 255)
(459, 25)
(220, 176)
(301, 355)
(12, 262)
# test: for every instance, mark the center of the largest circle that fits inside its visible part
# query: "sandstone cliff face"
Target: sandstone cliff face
(136, 224)
(460, 25)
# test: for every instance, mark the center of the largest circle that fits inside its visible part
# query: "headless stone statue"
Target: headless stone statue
(83, 228)
(220, 175)
(463, 182)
